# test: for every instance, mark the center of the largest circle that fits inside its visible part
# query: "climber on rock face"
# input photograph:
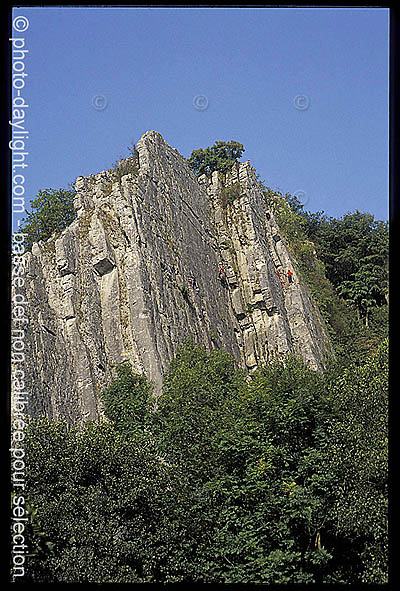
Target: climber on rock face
(193, 283)
(290, 276)
(279, 276)
(222, 273)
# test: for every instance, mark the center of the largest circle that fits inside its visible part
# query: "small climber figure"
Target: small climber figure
(221, 273)
(290, 276)
(279, 276)
(240, 366)
(193, 283)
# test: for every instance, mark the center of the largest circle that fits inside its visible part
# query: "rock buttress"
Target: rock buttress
(275, 316)
(116, 285)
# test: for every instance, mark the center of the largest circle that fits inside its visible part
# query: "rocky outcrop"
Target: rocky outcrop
(116, 284)
(275, 316)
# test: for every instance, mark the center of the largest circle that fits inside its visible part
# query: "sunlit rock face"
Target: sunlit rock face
(116, 284)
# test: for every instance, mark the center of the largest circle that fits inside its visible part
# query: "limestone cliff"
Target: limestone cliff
(115, 285)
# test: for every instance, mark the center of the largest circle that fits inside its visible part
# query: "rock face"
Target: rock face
(275, 316)
(116, 284)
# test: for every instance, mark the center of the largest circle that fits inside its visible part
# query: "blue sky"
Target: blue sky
(330, 145)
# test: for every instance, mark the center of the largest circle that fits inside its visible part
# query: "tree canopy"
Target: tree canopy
(280, 479)
(221, 156)
(51, 211)
(355, 252)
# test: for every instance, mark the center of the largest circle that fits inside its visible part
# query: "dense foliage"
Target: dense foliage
(126, 401)
(354, 250)
(280, 479)
(221, 156)
(103, 506)
(51, 211)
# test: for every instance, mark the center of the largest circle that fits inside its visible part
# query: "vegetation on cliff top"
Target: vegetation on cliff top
(221, 156)
(51, 211)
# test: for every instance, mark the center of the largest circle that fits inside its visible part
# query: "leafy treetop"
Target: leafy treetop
(52, 211)
(221, 156)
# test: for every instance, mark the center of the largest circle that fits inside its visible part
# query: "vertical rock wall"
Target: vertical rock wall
(275, 316)
(115, 285)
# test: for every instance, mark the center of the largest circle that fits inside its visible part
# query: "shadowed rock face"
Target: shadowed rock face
(115, 285)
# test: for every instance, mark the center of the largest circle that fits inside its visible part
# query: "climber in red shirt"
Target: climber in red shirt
(289, 276)
(222, 273)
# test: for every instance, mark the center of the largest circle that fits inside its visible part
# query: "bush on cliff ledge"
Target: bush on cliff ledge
(221, 156)
(52, 211)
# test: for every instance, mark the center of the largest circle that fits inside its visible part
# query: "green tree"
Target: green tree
(221, 156)
(354, 250)
(277, 479)
(247, 452)
(266, 514)
(191, 408)
(367, 289)
(51, 211)
(356, 458)
(104, 507)
(127, 401)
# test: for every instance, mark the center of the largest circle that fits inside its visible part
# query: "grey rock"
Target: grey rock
(110, 288)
